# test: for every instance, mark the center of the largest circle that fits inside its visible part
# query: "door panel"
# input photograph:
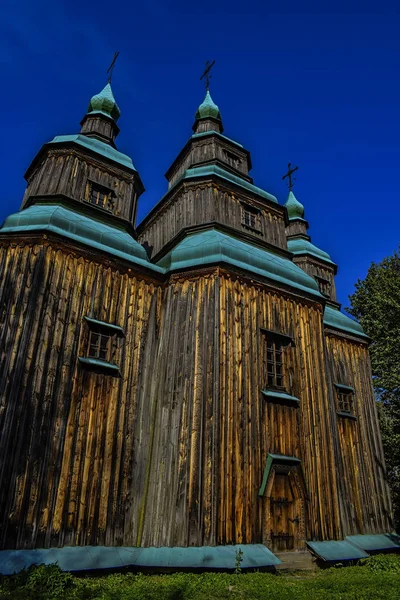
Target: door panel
(284, 511)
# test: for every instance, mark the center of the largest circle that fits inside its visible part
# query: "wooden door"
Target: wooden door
(284, 508)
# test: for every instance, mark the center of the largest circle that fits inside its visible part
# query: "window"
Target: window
(324, 285)
(99, 345)
(251, 217)
(275, 347)
(100, 196)
(274, 363)
(344, 399)
(232, 159)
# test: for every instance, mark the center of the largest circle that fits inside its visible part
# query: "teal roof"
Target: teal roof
(213, 132)
(223, 174)
(294, 207)
(212, 246)
(334, 318)
(208, 109)
(90, 231)
(299, 246)
(105, 103)
(95, 146)
(90, 558)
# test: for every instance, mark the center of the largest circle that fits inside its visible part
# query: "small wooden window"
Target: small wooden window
(345, 401)
(232, 159)
(251, 217)
(100, 196)
(99, 346)
(275, 363)
(324, 285)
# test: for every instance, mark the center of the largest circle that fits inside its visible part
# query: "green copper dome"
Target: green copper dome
(105, 103)
(208, 109)
(294, 207)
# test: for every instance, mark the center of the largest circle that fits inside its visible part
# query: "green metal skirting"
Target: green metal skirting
(89, 558)
(355, 547)
(374, 543)
(335, 551)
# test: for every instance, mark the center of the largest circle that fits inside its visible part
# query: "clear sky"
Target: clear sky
(301, 84)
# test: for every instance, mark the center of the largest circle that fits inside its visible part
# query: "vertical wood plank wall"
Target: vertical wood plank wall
(173, 452)
(72, 442)
(199, 203)
(366, 505)
(251, 427)
(66, 172)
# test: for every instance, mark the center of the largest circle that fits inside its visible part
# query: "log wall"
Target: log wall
(172, 453)
(364, 494)
(67, 172)
(72, 443)
(314, 268)
(197, 204)
(208, 150)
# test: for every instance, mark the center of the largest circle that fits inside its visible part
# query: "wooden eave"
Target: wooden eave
(332, 331)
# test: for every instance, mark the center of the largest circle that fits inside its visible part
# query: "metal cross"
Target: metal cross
(111, 67)
(206, 73)
(289, 176)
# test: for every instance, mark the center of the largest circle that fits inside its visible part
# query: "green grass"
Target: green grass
(377, 577)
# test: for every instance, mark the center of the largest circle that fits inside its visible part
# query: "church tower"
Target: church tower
(172, 392)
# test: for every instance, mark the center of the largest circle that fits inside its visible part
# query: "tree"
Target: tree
(376, 304)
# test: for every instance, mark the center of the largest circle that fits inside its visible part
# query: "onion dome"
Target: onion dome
(105, 103)
(208, 109)
(294, 207)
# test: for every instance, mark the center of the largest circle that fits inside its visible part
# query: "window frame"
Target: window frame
(102, 337)
(324, 285)
(276, 379)
(108, 195)
(345, 400)
(232, 159)
(251, 213)
(98, 346)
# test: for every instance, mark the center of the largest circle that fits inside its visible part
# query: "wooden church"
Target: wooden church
(188, 384)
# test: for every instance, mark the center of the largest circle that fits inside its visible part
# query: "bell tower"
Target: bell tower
(86, 169)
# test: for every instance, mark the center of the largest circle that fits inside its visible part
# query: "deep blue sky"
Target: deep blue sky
(318, 89)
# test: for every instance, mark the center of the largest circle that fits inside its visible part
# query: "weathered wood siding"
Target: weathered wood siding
(250, 426)
(173, 452)
(68, 172)
(199, 203)
(181, 505)
(206, 150)
(73, 443)
(314, 268)
(364, 494)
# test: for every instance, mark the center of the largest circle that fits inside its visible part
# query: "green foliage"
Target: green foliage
(376, 578)
(376, 304)
(43, 581)
(382, 563)
(238, 561)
